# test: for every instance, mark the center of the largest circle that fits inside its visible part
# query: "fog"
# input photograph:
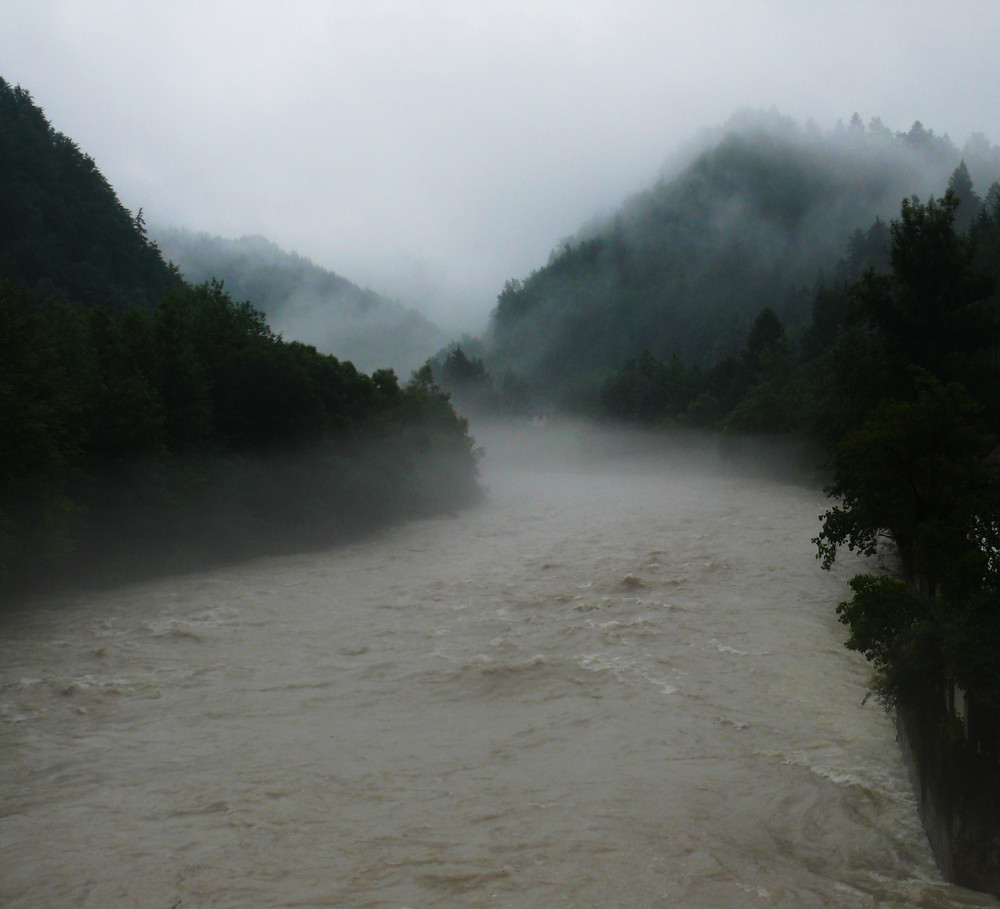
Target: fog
(566, 444)
(430, 151)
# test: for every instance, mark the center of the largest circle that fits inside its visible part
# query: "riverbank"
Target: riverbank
(952, 755)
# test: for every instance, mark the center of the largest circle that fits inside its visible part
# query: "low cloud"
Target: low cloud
(454, 144)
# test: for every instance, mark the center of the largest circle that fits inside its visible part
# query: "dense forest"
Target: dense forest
(754, 220)
(63, 233)
(146, 423)
(305, 302)
(780, 380)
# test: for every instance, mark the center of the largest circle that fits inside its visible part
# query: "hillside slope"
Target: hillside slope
(63, 232)
(305, 302)
(683, 268)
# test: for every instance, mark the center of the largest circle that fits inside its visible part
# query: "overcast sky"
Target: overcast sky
(431, 148)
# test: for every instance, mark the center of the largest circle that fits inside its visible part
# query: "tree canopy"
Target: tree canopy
(916, 372)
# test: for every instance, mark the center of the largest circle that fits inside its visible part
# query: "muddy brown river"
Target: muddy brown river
(619, 682)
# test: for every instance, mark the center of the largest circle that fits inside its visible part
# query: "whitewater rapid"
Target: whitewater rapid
(618, 682)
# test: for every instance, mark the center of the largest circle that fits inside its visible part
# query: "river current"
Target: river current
(619, 682)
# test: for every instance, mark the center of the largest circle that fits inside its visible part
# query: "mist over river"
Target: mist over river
(619, 682)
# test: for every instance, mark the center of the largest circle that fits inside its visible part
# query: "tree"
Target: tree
(140, 225)
(914, 306)
(912, 369)
(63, 231)
(512, 302)
(929, 310)
(38, 444)
(969, 203)
(894, 629)
(460, 372)
(766, 332)
(913, 475)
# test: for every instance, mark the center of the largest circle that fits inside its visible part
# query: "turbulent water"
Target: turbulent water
(619, 682)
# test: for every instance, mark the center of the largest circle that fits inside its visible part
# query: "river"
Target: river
(619, 682)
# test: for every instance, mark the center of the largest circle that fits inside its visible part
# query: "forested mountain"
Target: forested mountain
(63, 232)
(684, 268)
(147, 423)
(304, 302)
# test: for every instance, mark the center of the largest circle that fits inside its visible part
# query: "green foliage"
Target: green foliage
(926, 311)
(459, 371)
(758, 392)
(911, 422)
(895, 630)
(650, 391)
(63, 232)
(966, 198)
(913, 472)
(38, 444)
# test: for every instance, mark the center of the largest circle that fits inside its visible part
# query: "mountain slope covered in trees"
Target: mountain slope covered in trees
(147, 424)
(684, 268)
(305, 302)
(63, 232)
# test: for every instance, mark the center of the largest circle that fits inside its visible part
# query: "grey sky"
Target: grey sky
(432, 149)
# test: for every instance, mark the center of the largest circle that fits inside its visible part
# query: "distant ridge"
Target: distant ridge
(306, 302)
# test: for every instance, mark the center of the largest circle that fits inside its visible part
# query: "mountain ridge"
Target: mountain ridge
(305, 301)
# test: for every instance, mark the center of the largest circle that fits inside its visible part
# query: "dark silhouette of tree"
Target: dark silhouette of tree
(916, 374)
(969, 204)
(459, 371)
